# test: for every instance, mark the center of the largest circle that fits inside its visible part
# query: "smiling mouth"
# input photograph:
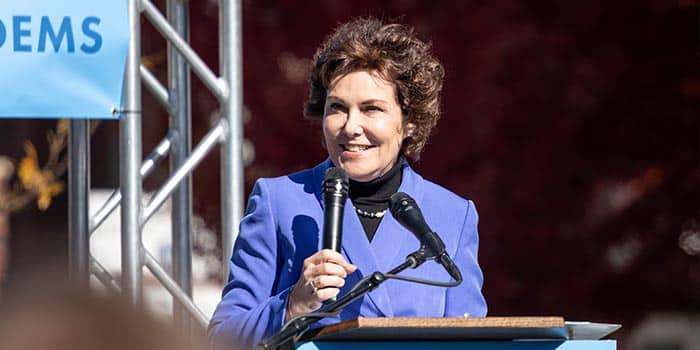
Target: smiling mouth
(355, 148)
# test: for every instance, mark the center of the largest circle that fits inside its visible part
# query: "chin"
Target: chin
(359, 175)
(356, 169)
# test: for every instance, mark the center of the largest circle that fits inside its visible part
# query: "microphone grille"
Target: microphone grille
(399, 202)
(336, 173)
(336, 182)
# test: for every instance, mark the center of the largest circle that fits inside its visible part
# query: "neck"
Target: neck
(378, 190)
(371, 198)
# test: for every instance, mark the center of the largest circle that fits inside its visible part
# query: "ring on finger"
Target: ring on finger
(314, 289)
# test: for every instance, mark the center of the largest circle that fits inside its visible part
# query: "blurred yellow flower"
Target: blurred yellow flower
(41, 183)
(62, 127)
(46, 193)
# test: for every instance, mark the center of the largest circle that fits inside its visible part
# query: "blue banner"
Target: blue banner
(62, 59)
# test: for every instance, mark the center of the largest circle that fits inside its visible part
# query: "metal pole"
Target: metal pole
(175, 290)
(179, 86)
(156, 88)
(149, 163)
(104, 276)
(210, 80)
(230, 56)
(200, 151)
(79, 215)
(130, 159)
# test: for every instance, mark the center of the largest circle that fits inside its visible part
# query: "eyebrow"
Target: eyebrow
(334, 98)
(366, 102)
(373, 101)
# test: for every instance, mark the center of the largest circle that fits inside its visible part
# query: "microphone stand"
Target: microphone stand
(364, 286)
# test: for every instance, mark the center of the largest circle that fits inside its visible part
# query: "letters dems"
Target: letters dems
(24, 33)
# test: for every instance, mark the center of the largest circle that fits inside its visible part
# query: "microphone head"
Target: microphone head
(400, 202)
(336, 182)
(405, 210)
(336, 173)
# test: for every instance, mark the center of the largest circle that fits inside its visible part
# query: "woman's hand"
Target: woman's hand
(321, 279)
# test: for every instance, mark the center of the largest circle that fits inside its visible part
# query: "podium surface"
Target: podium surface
(464, 345)
(490, 333)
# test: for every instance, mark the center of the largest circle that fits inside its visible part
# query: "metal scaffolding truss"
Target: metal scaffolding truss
(227, 133)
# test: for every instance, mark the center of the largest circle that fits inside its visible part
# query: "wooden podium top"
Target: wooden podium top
(412, 328)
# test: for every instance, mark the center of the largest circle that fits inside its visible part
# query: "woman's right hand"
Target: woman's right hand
(322, 277)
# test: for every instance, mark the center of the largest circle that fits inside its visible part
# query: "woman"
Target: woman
(375, 87)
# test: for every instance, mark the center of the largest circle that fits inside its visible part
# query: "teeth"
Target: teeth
(355, 148)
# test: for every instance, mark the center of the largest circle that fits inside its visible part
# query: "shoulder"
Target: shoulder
(434, 190)
(443, 205)
(293, 191)
(436, 194)
(302, 177)
(303, 180)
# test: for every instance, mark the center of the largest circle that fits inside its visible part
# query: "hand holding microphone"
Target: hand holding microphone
(321, 278)
(324, 272)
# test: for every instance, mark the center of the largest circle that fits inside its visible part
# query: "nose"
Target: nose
(353, 123)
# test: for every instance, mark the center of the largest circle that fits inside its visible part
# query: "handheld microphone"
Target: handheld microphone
(335, 193)
(405, 210)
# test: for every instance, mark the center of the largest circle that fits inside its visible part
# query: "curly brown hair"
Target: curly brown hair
(395, 53)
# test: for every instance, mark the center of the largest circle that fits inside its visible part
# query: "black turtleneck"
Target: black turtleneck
(373, 196)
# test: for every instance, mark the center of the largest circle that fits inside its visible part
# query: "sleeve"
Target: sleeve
(467, 299)
(248, 311)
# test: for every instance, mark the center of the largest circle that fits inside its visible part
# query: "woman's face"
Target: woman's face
(363, 125)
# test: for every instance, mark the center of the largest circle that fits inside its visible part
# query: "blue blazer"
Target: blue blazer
(282, 227)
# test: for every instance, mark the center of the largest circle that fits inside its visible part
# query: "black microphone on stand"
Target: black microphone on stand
(405, 210)
(335, 193)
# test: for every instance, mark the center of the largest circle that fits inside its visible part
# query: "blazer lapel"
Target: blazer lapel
(392, 242)
(358, 251)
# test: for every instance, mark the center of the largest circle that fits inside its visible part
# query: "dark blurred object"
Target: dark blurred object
(6, 171)
(47, 313)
